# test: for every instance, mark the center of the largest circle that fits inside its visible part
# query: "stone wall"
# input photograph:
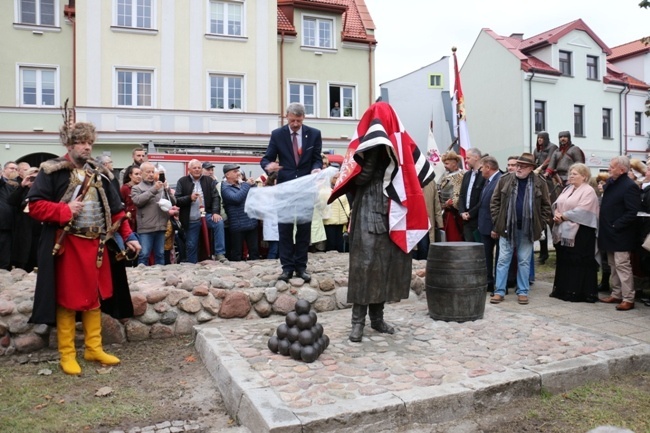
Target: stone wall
(170, 300)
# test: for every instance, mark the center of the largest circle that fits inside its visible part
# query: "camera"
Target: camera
(161, 177)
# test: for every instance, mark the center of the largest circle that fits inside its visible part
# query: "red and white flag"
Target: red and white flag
(462, 134)
(403, 179)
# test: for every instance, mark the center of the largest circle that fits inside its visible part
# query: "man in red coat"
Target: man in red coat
(76, 270)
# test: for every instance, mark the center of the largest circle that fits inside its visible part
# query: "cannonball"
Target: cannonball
(283, 347)
(308, 354)
(321, 341)
(291, 318)
(292, 334)
(273, 344)
(282, 331)
(294, 350)
(318, 348)
(306, 337)
(303, 322)
(319, 329)
(314, 317)
(327, 341)
(302, 306)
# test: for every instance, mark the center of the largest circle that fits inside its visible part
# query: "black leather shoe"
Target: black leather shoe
(285, 276)
(304, 275)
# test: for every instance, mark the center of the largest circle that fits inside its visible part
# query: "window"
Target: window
(305, 94)
(344, 96)
(135, 13)
(38, 87)
(565, 63)
(607, 123)
(435, 81)
(592, 67)
(134, 88)
(225, 92)
(317, 32)
(37, 12)
(540, 116)
(637, 122)
(226, 18)
(578, 120)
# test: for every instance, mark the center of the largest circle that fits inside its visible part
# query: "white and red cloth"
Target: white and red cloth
(404, 177)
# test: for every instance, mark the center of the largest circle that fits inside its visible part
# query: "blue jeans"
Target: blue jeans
(153, 241)
(524, 252)
(192, 238)
(273, 249)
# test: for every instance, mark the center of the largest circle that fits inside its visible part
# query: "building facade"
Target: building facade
(206, 76)
(558, 80)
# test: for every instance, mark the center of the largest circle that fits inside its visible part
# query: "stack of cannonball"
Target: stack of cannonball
(300, 337)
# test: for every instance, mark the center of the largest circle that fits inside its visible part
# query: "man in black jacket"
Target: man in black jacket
(8, 185)
(294, 151)
(618, 230)
(197, 197)
(470, 194)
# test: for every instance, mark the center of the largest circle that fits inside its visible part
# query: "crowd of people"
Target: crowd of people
(597, 224)
(72, 213)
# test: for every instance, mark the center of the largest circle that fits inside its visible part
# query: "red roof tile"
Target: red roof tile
(284, 25)
(630, 49)
(553, 36)
(616, 76)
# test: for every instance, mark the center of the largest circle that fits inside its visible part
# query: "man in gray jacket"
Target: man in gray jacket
(152, 217)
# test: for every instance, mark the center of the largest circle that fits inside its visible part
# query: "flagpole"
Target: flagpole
(453, 50)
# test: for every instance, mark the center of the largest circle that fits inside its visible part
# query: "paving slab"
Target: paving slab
(429, 372)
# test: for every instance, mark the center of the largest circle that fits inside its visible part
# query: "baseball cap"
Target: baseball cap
(228, 167)
(207, 165)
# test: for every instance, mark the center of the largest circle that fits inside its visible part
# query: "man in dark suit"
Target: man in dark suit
(470, 194)
(294, 151)
(491, 174)
(618, 231)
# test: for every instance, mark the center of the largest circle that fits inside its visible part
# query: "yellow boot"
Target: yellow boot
(65, 330)
(92, 323)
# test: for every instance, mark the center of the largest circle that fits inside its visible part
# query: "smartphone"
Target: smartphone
(161, 177)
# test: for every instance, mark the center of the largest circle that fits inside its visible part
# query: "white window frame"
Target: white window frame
(302, 84)
(227, 4)
(18, 14)
(318, 19)
(354, 99)
(228, 77)
(39, 89)
(134, 93)
(134, 16)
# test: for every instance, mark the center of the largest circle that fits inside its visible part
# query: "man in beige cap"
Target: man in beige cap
(520, 208)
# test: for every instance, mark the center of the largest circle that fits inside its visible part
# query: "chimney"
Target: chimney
(518, 36)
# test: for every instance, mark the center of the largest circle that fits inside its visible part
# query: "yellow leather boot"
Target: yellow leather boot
(92, 323)
(65, 330)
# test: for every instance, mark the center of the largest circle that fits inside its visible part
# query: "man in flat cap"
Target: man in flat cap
(242, 228)
(520, 208)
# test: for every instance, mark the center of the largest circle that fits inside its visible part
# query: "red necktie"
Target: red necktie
(296, 151)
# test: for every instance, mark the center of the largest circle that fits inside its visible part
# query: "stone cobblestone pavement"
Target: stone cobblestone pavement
(427, 372)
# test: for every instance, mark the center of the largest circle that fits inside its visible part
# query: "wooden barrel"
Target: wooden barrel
(456, 281)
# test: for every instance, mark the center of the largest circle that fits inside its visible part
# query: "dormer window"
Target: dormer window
(317, 32)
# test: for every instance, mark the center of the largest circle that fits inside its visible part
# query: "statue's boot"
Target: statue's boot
(377, 319)
(358, 322)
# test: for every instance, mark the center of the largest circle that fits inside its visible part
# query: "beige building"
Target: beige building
(211, 76)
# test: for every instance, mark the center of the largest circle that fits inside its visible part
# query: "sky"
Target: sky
(414, 33)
